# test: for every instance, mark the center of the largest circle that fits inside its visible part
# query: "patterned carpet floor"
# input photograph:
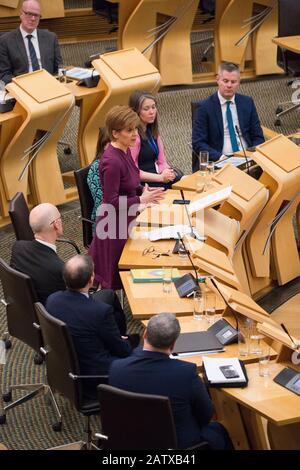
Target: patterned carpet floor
(29, 426)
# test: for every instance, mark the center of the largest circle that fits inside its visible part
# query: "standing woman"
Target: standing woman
(121, 188)
(148, 151)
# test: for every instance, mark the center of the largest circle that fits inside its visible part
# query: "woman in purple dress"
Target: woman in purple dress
(122, 195)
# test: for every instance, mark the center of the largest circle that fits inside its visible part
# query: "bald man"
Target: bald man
(28, 48)
(38, 259)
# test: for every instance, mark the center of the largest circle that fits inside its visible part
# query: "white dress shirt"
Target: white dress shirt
(35, 44)
(227, 148)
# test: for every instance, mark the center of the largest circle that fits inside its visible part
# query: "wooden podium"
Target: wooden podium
(272, 238)
(42, 109)
(121, 73)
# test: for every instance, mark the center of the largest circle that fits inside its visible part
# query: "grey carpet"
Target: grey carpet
(28, 426)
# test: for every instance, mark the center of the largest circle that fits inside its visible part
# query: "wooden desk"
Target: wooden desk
(262, 398)
(291, 43)
(142, 308)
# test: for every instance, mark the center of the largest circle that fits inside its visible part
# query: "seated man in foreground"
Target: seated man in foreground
(91, 322)
(38, 259)
(225, 119)
(151, 370)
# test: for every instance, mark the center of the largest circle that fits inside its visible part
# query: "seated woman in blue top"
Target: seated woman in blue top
(93, 177)
(148, 151)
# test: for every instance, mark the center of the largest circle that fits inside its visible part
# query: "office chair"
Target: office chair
(288, 25)
(86, 204)
(136, 421)
(63, 372)
(22, 322)
(19, 216)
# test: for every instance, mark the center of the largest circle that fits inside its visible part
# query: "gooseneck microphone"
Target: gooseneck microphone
(189, 256)
(188, 215)
(239, 134)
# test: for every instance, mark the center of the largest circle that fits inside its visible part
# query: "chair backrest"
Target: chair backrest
(61, 358)
(194, 107)
(86, 203)
(288, 25)
(136, 420)
(19, 298)
(19, 215)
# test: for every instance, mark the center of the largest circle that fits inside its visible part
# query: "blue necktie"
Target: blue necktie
(232, 135)
(33, 57)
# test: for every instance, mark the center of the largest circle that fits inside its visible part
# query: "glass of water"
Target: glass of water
(209, 174)
(210, 306)
(255, 340)
(167, 280)
(199, 305)
(264, 360)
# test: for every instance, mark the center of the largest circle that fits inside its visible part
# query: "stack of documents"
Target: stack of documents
(170, 232)
(80, 73)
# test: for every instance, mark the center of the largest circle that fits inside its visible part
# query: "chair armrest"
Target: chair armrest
(70, 242)
(75, 377)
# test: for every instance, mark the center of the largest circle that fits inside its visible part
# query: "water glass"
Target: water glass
(182, 251)
(167, 280)
(210, 306)
(255, 341)
(199, 305)
(243, 342)
(203, 162)
(264, 360)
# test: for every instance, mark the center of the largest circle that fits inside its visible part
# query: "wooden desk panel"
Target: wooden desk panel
(291, 43)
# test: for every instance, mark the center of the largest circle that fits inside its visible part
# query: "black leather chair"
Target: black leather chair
(63, 372)
(288, 25)
(136, 421)
(19, 216)
(22, 323)
(86, 204)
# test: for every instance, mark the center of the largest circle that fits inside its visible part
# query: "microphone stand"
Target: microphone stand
(190, 258)
(242, 145)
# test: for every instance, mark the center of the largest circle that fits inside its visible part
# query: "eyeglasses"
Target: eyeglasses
(53, 221)
(154, 253)
(36, 16)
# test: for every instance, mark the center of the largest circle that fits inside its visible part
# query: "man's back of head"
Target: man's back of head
(78, 273)
(162, 332)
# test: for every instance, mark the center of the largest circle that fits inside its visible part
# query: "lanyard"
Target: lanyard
(152, 142)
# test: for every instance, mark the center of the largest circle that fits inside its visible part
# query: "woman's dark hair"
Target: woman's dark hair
(136, 101)
(102, 141)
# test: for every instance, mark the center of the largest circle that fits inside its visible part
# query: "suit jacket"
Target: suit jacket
(155, 373)
(13, 57)
(96, 337)
(208, 129)
(41, 263)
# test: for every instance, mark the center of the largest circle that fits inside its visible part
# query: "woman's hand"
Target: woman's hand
(151, 195)
(167, 175)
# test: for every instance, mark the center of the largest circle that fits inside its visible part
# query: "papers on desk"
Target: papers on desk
(80, 73)
(210, 200)
(235, 161)
(215, 377)
(170, 232)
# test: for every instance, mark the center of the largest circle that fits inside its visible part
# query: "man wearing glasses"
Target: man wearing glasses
(38, 259)
(27, 48)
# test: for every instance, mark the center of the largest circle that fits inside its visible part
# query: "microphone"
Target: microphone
(89, 82)
(188, 215)
(242, 145)
(189, 256)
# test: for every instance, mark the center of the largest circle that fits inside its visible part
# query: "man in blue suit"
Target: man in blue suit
(91, 322)
(225, 118)
(151, 370)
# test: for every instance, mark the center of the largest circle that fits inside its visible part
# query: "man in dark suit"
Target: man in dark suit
(91, 322)
(27, 48)
(38, 259)
(152, 371)
(225, 118)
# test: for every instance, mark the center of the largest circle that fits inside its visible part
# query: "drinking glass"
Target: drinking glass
(209, 174)
(203, 162)
(199, 305)
(210, 306)
(255, 340)
(167, 280)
